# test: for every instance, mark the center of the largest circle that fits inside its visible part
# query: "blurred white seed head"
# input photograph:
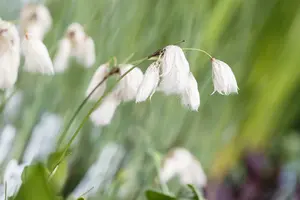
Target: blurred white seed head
(223, 78)
(190, 96)
(12, 177)
(43, 138)
(62, 57)
(13, 105)
(37, 59)
(98, 77)
(128, 86)
(103, 115)
(149, 83)
(102, 170)
(36, 19)
(9, 54)
(6, 141)
(89, 57)
(180, 162)
(175, 70)
(77, 44)
(75, 32)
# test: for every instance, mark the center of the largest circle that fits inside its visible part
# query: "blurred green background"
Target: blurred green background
(258, 39)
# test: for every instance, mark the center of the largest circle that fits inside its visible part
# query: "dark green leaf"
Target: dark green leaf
(35, 185)
(154, 195)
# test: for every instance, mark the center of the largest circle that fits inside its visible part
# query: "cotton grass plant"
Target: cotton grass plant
(162, 89)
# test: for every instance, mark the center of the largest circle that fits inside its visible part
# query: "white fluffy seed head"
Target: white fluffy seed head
(180, 162)
(62, 57)
(128, 86)
(149, 83)
(191, 97)
(104, 114)
(89, 56)
(37, 59)
(83, 46)
(75, 32)
(36, 19)
(9, 54)
(175, 70)
(98, 77)
(223, 78)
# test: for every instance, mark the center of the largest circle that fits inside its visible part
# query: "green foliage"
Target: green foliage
(59, 169)
(35, 184)
(154, 195)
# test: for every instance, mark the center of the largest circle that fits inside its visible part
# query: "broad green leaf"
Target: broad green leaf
(154, 195)
(60, 173)
(35, 185)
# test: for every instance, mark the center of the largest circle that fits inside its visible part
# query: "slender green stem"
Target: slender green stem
(128, 58)
(200, 50)
(64, 133)
(93, 108)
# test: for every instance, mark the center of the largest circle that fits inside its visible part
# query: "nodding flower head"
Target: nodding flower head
(98, 77)
(175, 70)
(180, 162)
(223, 78)
(37, 59)
(9, 32)
(128, 86)
(76, 33)
(35, 18)
(149, 83)
(191, 97)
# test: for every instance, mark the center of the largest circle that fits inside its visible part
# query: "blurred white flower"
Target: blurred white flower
(128, 86)
(180, 162)
(13, 104)
(37, 59)
(77, 44)
(103, 115)
(190, 96)
(62, 57)
(44, 138)
(223, 78)
(88, 58)
(102, 171)
(149, 83)
(98, 77)
(36, 19)
(12, 177)
(9, 54)
(6, 141)
(175, 70)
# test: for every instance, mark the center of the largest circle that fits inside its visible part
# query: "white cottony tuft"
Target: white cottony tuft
(101, 171)
(37, 59)
(175, 70)
(9, 54)
(223, 78)
(77, 44)
(191, 97)
(89, 56)
(180, 162)
(97, 78)
(43, 139)
(103, 115)
(62, 57)
(149, 83)
(128, 86)
(36, 19)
